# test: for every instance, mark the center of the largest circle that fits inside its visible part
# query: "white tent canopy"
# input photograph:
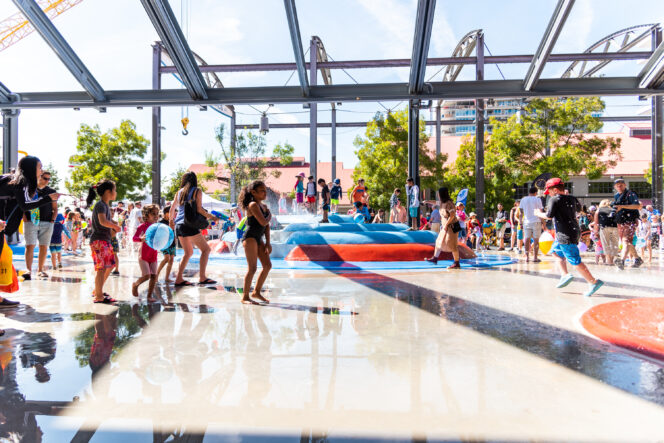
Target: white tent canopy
(212, 204)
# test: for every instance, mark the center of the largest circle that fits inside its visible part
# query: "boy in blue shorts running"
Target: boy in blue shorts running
(562, 209)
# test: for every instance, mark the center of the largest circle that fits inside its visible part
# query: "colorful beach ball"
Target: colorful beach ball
(546, 242)
(159, 236)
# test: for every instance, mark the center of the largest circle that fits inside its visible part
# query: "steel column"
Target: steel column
(38, 19)
(414, 140)
(333, 125)
(296, 41)
(233, 142)
(169, 31)
(480, 196)
(156, 127)
(9, 139)
(547, 43)
(421, 40)
(313, 114)
(438, 130)
(5, 94)
(657, 126)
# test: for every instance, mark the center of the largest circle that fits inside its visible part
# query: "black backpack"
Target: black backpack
(192, 218)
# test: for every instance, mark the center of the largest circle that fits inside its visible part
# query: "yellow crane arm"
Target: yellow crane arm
(16, 27)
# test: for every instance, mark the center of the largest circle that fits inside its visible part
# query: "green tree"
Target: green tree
(246, 160)
(515, 152)
(171, 185)
(118, 155)
(383, 158)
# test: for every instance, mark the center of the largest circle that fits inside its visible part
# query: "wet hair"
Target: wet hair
(246, 197)
(147, 209)
(532, 190)
(26, 174)
(358, 205)
(167, 210)
(98, 190)
(187, 182)
(444, 195)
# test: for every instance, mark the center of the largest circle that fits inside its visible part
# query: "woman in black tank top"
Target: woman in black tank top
(258, 226)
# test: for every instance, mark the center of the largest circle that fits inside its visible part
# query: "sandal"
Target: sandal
(105, 301)
(207, 281)
(42, 274)
(183, 283)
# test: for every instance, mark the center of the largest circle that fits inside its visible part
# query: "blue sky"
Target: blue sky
(113, 39)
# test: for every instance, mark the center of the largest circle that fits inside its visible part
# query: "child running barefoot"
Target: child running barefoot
(258, 225)
(100, 240)
(147, 260)
(562, 209)
(169, 253)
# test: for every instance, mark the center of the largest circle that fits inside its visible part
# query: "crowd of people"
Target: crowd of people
(618, 231)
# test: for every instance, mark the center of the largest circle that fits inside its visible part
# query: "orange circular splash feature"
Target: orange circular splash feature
(637, 324)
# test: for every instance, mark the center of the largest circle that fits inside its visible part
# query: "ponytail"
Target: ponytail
(98, 190)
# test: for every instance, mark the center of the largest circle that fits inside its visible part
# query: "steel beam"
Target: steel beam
(296, 40)
(250, 126)
(169, 31)
(156, 127)
(9, 139)
(421, 40)
(459, 90)
(480, 196)
(33, 13)
(549, 39)
(5, 94)
(405, 62)
(652, 74)
(414, 140)
(233, 145)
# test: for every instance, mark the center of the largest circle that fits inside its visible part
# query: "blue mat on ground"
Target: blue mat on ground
(481, 261)
(346, 227)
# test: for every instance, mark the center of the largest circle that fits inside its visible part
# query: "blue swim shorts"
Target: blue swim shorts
(519, 234)
(55, 247)
(567, 252)
(412, 212)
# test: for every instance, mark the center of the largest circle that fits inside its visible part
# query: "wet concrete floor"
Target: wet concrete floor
(493, 354)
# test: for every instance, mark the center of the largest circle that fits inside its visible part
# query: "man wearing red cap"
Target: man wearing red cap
(562, 209)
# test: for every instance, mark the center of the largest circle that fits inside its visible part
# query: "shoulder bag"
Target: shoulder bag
(192, 218)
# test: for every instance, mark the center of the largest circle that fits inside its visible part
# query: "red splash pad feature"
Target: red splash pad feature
(218, 246)
(371, 252)
(637, 324)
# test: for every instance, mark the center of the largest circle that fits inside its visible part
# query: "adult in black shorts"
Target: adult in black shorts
(188, 236)
(627, 206)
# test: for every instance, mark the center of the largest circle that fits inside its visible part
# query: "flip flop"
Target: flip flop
(183, 283)
(105, 301)
(207, 281)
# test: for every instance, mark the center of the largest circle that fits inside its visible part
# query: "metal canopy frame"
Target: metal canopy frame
(650, 82)
(33, 13)
(170, 33)
(560, 14)
(296, 40)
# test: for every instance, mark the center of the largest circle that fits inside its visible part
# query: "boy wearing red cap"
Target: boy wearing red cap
(562, 209)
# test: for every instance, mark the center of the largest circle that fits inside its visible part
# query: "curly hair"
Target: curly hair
(147, 209)
(245, 195)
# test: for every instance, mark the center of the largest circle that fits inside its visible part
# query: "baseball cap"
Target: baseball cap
(618, 180)
(550, 183)
(337, 181)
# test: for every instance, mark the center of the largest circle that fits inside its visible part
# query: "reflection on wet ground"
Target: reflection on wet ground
(442, 356)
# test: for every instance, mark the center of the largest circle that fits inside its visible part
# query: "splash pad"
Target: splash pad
(343, 244)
